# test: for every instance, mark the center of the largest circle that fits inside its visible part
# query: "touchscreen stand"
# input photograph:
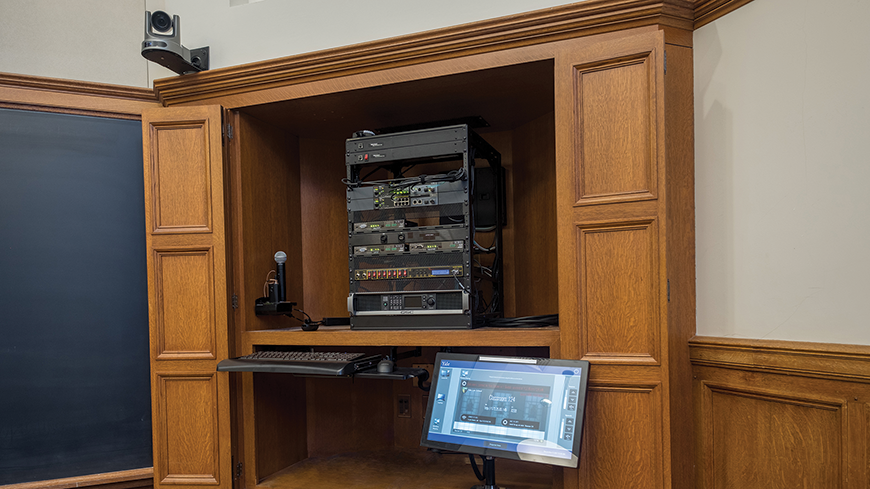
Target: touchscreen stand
(488, 475)
(521, 408)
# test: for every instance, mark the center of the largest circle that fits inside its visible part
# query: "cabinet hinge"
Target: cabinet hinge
(229, 131)
(669, 290)
(666, 62)
(238, 473)
(235, 301)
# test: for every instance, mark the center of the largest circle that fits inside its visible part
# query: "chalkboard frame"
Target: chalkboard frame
(53, 266)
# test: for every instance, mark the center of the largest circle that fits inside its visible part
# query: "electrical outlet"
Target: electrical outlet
(429, 368)
(404, 407)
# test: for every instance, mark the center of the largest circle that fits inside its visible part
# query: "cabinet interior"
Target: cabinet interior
(291, 162)
(287, 167)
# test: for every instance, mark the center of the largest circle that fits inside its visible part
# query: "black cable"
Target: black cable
(474, 466)
(303, 312)
(308, 324)
(350, 183)
(541, 321)
(405, 182)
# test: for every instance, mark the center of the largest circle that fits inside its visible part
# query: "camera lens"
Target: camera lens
(161, 21)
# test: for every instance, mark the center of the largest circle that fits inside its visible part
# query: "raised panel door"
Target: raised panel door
(187, 296)
(619, 451)
(618, 292)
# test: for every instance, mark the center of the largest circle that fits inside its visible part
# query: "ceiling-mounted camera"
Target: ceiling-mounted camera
(162, 45)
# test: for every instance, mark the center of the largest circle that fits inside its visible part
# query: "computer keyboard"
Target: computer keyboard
(301, 362)
(304, 356)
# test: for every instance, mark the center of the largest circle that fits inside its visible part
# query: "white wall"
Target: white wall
(88, 40)
(100, 40)
(782, 146)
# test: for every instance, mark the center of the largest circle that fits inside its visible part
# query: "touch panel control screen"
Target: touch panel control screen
(521, 408)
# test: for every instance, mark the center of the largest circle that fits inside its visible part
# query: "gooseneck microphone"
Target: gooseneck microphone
(280, 258)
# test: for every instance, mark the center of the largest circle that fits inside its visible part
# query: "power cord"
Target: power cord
(477, 473)
(541, 321)
(308, 324)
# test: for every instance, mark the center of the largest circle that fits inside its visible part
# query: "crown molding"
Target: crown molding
(76, 87)
(548, 25)
(707, 11)
(26, 92)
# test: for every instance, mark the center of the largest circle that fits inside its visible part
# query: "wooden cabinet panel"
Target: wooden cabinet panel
(803, 437)
(595, 297)
(188, 298)
(188, 430)
(181, 197)
(622, 444)
(616, 130)
(780, 414)
(618, 200)
(346, 415)
(185, 318)
(619, 292)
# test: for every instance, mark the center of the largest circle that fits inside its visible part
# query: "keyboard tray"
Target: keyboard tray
(332, 368)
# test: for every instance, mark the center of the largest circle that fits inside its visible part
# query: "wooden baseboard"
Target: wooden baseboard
(126, 479)
(780, 414)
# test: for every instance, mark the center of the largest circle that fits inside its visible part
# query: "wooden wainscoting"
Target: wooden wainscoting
(780, 414)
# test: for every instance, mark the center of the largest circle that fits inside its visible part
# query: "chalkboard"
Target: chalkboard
(74, 362)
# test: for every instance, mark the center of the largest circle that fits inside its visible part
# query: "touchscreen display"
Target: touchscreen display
(521, 408)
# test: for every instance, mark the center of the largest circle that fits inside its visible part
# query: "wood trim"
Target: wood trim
(344, 336)
(64, 110)
(765, 407)
(553, 24)
(74, 97)
(125, 479)
(707, 11)
(816, 360)
(77, 87)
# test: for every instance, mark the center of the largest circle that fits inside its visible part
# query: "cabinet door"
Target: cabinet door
(187, 296)
(612, 281)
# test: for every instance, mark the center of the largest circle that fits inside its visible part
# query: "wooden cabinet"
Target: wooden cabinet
(594, 125)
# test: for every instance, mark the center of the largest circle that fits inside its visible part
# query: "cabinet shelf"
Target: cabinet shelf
(403, 468)
(344, 336)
